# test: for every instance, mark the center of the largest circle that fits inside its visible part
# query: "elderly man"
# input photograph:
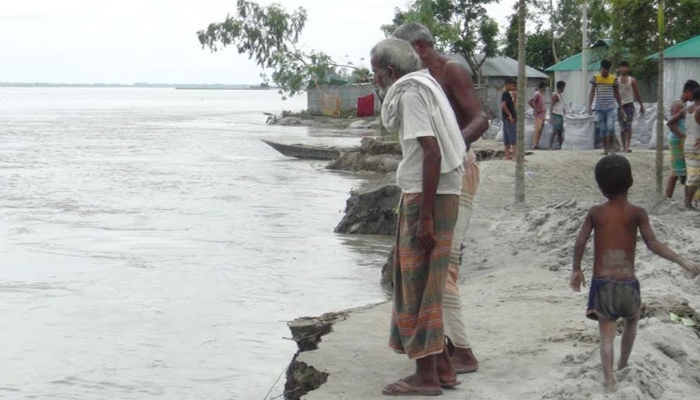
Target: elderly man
(430, 176)
(459, 88)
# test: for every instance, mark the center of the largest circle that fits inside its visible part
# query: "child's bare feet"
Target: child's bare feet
(610, 384)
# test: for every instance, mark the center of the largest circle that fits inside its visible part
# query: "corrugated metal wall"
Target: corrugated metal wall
(348, 96)
(676, 72)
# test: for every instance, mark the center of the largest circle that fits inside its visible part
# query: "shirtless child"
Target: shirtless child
(614, 288)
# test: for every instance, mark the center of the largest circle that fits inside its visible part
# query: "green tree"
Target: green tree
(360, 75)
(459, 26)
(637, 35)
(565, 25)
(538, 46)
(270, 35)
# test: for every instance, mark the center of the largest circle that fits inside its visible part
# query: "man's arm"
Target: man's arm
(504, 107)
(577, 278)
(659, 248)
(591, 96)
(531, 103)
(462, 90)
(678, 112)
(618, 98)
(431, 177)
(638, 95)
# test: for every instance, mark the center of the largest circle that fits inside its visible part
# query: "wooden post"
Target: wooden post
(584, 53)
(660, 116)
(522, 99)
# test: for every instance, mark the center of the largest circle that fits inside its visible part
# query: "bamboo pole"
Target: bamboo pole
(660, 116)
(522, 80)
(584, 54)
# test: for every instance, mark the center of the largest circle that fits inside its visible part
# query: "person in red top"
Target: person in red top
(537, 104)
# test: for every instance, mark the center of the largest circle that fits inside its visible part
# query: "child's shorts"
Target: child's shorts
(612, 299)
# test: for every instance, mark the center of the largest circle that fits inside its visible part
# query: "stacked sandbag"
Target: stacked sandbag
(652, 124)
(579, 131)
(641, 127)
(546, 137)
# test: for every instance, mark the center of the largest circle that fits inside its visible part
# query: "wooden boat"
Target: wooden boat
(306, 152)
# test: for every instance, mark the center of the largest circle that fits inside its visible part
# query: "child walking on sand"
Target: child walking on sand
(614, 291)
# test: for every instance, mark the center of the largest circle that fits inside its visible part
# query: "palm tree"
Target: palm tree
(520, 152)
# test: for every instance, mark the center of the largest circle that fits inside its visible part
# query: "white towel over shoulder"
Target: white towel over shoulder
(443, 120)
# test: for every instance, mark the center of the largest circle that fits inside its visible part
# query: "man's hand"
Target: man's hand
(623, 114)
(590, 110)
(577, 279)
(692, 268)
(642, 110)
(426, 233)
(511, 120)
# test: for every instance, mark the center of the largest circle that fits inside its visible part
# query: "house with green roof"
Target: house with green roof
(681, 62)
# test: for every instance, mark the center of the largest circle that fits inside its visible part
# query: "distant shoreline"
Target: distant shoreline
(185, 86)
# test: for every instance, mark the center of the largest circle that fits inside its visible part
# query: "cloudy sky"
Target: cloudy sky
(127, 41)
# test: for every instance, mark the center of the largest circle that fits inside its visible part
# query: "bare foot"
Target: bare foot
(610, 385)
(413, 385)
(621, 365)
(464, 361)
(446, 374)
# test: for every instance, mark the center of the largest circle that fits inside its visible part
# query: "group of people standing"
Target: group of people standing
(614, 100)
(430, 101)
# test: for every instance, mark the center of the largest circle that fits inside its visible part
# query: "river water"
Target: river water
(151, 246)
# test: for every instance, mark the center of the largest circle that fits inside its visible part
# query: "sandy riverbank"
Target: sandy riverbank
(527, 327)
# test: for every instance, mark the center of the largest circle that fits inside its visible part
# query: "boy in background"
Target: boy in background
(605, 91)
(538, 105)
(509, 116)
(629, 91)
(558, 111)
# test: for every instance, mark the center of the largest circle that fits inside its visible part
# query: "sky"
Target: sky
(130, 41)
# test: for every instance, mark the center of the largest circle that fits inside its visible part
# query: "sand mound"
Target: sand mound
(553, 229)
(665, 364)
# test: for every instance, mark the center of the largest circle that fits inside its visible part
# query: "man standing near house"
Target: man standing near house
(605, 91)
(509, 116)
(539, 107)
(558, 112)
(629, 91)
(473, 122)
(430, 177)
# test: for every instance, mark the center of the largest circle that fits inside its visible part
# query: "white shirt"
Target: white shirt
(626, 91)
(558, 107)
(416, 121)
